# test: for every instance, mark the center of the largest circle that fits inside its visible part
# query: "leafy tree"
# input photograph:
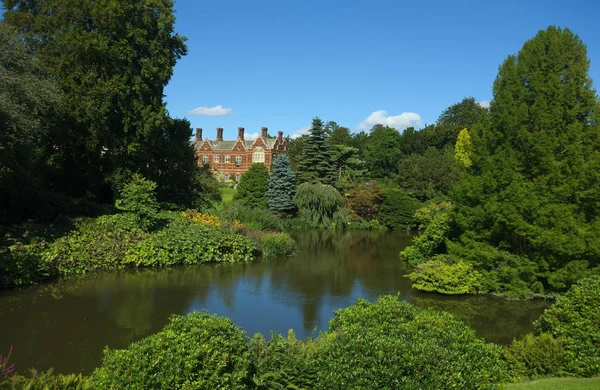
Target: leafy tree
(315, 165)
(413, 141)
(319, 204)
(29, 106)
(429, 175)
(349, 167)
(359, 141)
(338, 135)
(253, 186)
(533, 195)
(465, 114)
(138, 197)
(365, 200)
(382, 151)
(295, 148)
(112, 79)
(463, 149)
(281, 186)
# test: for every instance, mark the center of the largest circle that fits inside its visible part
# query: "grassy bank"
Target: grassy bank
(558, 383)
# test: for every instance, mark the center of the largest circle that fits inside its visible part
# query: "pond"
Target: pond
(66, 324)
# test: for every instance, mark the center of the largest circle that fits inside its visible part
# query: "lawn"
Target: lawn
(227, 194)
(558, 383)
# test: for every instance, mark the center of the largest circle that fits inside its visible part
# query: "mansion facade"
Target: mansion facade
(229, 159)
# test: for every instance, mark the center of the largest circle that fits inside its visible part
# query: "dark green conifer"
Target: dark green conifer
(316, 164)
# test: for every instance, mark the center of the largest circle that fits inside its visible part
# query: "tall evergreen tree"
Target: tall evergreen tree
(315, 165)
(281, 186)
(531, 206)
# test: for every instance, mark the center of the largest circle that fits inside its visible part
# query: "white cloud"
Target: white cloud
(211, 111)
(251, 136)
(300, 132)
(398, 122)
(484, 103)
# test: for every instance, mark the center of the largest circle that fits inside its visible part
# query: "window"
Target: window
(238, 160)
(227, 158)
(237, 177)
(216, 158)
(259, 155)
(205, 159)
(226, 177)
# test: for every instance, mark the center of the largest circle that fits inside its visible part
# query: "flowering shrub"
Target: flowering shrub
(6, 369)
(202, 218)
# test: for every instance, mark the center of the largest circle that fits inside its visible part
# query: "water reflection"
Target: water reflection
(66, 325)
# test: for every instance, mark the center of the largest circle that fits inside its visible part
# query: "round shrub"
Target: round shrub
(277, 244)
(575, 319)
(397, 209)
(446, 277)
(197, 351)
(534, 356)
(391, 344)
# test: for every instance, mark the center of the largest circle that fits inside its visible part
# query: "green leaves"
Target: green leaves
(138, 197)
(253, 186)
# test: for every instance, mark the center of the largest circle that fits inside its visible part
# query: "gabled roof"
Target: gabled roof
(228, 145)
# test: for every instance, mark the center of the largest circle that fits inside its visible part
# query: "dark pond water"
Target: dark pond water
(66, 325)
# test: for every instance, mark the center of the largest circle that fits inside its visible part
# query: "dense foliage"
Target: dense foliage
(277, 244)
(253, 187)
(382, 152)
(197, 351)
(315, 163)
(139, 198)
(80, 122)
(319, 205)
(397, 210)
(575, 319)
(281, 186)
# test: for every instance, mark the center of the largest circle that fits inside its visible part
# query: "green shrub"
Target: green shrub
(277, 244)
(96, 245)
(443, 276)
(253, 187)
(198, 351)
(252, 218)
(575, 318)
(391, 344)
(320, 205)
(187, 242)
(397, 210)
(139, 197)
(434, 219)
(47, 381)
(533, 357)
(286, 363)
(24, 264)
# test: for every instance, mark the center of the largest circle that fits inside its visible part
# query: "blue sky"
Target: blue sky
(280, 63)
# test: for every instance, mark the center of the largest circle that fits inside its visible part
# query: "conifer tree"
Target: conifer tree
(462, 150)
(531, 205)
(316, 165)
(281, 186)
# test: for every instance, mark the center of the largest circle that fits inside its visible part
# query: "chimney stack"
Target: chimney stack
(198, 134)
(280, 136)
(219, 134)
(241, 133)
(265, 132)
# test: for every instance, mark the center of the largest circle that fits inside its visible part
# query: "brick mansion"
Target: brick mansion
(231, 158)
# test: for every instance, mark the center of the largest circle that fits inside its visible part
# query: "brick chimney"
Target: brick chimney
(265, 132)
(219, 134)
(198, 134)
(241, 133)
(280, 136)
